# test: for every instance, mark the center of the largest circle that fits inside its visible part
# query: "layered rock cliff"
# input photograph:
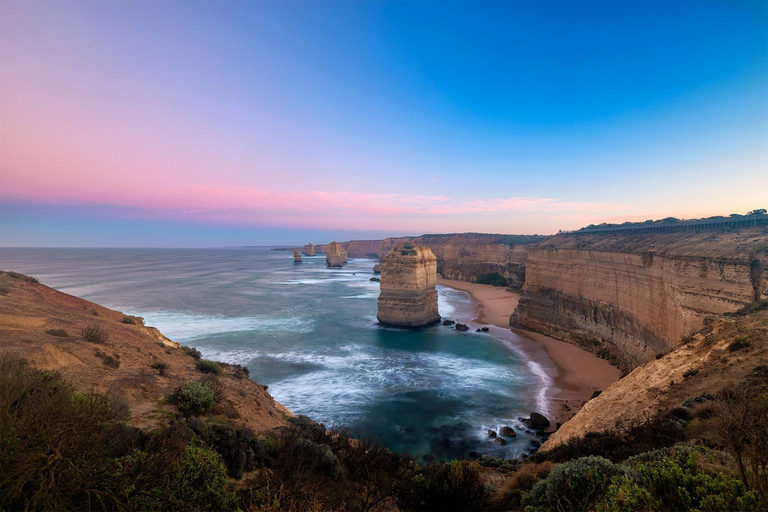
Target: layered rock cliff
(728, 351)
(628, 297)
(408, 277)
(335, 255)
(308, 250)
(465, 256)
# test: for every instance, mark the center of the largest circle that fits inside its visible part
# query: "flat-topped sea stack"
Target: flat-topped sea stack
(308, 250)
(335, 255)
(296, 256)
(408, 297)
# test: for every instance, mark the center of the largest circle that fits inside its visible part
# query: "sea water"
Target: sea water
(310, 333)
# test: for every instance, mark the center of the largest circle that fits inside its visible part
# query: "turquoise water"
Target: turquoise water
(310, 333)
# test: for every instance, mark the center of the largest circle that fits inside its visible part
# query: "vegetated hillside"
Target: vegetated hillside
(124, 359)
(728, 351)
(628, 297)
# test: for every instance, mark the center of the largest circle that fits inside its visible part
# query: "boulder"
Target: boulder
(375, 279)
(462, 327)
(484, 329)
(500, 441)
(377, 268)
(491, 434)
(448, 322)
(408, 296)
(507, 431)
(537, 421)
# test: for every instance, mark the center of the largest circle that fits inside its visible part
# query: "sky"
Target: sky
(198, 124)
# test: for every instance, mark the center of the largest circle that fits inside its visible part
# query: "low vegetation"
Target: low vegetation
(94, 334)
(196, 397)
(60, 333)
(207, 366)
(161, 367)
(494, 279)
(128, 320)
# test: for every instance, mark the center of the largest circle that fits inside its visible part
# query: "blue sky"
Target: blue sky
(263, 122)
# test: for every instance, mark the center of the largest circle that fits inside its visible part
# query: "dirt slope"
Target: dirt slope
(28, 309)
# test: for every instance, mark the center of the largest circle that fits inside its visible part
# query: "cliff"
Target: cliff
(464, 256)
(308, 250)
(728, 351)
(296, 256)
(630, 296)
(45, 327)
(335, 255)
(408, 277)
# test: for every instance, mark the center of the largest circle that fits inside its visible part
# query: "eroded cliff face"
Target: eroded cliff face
(335, 255)
(706, 363)
(408, 277)
(630, 297)
(465, 256)
(308, 250)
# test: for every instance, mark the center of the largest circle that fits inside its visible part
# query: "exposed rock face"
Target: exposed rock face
(296, 256)
(466, 256)
(308, 250)
(377, 268)
(408, 297)
(335, 255)
(707, 361)
(629, 297)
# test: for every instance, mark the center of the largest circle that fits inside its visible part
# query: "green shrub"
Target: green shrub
(207, 366)
(94, 334)
(159, 366)
(191, 351)
(111, 362)
(128, 320)
(739, 343)
(674, 479)
(60, 333)
(494, 279)
(574, 486)
(196, 397)
(455, 485)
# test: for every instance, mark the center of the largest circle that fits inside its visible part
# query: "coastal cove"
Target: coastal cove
(310, 334)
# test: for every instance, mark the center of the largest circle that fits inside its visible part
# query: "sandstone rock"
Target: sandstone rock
(462, 327)
(448, 322)
(377, 268)
(537, 421)
(408, 297)
(507, 431)
(335, 255)
(491, 434)
(308, 250)
(296, 256)
(500, 441)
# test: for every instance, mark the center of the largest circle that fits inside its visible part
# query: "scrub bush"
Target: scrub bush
(196, 398)
(494, 279)
(94, 334)
(206, 366)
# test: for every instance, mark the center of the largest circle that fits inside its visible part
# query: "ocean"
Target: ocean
(310, 333)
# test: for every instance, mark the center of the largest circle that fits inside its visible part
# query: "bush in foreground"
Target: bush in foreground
(196, 397)
(207, 366)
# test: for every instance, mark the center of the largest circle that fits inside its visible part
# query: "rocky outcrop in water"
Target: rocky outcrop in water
(296, 256)
(377, 268)
(408, 297)
(628, 297)
(467, 256)
(308, 250)
(335, 255)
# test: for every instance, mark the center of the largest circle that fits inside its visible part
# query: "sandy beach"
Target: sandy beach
(579, 373)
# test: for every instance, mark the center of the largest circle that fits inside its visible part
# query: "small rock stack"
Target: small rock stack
(335, 255)
(296, 256)
(308, 250)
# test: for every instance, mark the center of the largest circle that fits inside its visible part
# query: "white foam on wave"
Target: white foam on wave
(182, 326)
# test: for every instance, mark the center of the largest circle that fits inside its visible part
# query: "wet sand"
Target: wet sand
(578, 373)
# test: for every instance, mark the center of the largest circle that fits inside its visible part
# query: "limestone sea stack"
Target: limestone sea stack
(308, 250)
(335, 255)
(296, 256)
(377, 268)
(408, 297)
